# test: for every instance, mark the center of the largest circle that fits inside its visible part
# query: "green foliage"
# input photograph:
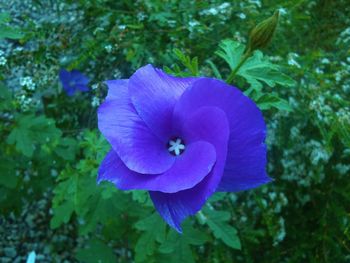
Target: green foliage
(146, 244)
(218, 223)
(190, 64)
(256, 70)
(31, 131)
(96, 251)
(7, 31)
(51, 148)
(177, 247)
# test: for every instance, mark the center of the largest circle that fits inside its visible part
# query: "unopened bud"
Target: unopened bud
(262, 34)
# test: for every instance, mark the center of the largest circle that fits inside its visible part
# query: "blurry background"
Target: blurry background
(50, 148)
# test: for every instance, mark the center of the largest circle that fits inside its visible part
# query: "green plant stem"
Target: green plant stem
(240, 64)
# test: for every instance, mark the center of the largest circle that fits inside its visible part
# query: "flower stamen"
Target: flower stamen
(176, 147)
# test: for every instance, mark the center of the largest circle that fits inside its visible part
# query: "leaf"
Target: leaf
(8, 176)
(191, 65)
(21, 138)
(4, 18)
(7, 31)
(256, 70)
(10, 32)
(218, 223)
(66, 148)
(214, 69)
(5, 98)
(62, 214)
(177, 246)
(153, 230)
(96, 252)
(268, 101)
(30, 131)
(230, 51)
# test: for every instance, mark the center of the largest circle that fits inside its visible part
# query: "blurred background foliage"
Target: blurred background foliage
(50, 148)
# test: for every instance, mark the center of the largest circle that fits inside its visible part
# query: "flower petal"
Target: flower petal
(64, 76)
(246, 158)
(189, 169)
(115, 86)
(209, 124)
(136, 145)
(79, 78)
(154, 94)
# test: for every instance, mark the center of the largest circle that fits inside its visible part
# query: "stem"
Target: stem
(240, 64)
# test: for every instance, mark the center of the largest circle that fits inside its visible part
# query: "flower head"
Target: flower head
(181, 139)
(73, 81)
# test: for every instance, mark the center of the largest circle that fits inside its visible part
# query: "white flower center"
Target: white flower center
(176, 147)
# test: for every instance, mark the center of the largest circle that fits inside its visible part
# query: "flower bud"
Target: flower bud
(262, 34)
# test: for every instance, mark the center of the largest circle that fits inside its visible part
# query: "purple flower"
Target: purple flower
(73, 81)
(181, 139)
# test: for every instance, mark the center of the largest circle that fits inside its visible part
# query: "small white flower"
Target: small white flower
(224, 6)
(256, 2)
(282, 11)
(108, 48)
(292, 60)
(242, 16)
(3, 61)
(95, 102)
(141, 16)
(213, 11)
(325, 61)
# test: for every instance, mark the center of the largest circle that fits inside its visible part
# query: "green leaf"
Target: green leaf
(5, 98)
(30, 131)
(10, 32)
(177, 247)
(8, 176)
(257, 70)
(153, 230)
(214, 69)
(96, 252)
(218, 223)
(271, 100)
(66, 148)
(230, 51)
(62, 214)
(7, 31)
(191, 65)
(5, 18)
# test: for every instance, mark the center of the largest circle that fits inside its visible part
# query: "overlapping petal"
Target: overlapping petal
(136, 145)
(154, 95)
(246, 158)
(188, 170)
(209, 124)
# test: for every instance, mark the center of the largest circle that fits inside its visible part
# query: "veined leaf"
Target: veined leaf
(96, 251)
(256, 70)
(271, 100)
(146, 244)
(218, 223)
(7, 31)
(30, 131)
(177, 247)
